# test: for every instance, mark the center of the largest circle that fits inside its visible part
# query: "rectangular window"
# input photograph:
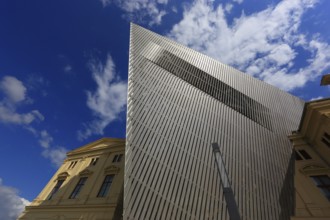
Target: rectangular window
(326, 139)
(323, 183)
(305, 155)
(203, 81)
(117, 158)
(105, 186)
(78, 188)
(326, 135)
(55, 189)
(297, 156)
(93, 161)
(72, 164)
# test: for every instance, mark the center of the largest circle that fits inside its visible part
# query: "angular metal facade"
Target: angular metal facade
(179, 103)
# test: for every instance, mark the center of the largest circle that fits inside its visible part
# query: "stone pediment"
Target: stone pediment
(99, 144)
(112, 169)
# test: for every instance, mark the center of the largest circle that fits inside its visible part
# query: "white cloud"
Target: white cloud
(14, 95)
(36, 82)
(281, 55)
(45, 139)
(55, 154)
(13, 88)
(141, 10)
(228, 7)
(316, 98)
(11, 204)
(174, 9)
(263, 44)
(109, 99)
(8, 115)
(238, 1)
(67, 68)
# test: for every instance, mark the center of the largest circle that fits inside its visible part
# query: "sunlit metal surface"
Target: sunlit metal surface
(177, 106)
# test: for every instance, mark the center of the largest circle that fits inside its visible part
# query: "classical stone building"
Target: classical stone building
(88, 185)
(312, 167)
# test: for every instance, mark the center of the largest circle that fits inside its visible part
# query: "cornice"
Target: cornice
(99, 145)
(315, 169)
(46, 208)
(85, 172)
(111, 169)
(322, 106)
(63, 175)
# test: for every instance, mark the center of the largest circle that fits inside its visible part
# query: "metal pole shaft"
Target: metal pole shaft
(227, 190)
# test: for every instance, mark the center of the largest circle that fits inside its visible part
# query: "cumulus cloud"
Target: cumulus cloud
(11, 204)
(13, 88)
(14, 95)
(8, 115)
(263, 44)
(45, 139)
(141, 10)
(109, 99)
(55, 154)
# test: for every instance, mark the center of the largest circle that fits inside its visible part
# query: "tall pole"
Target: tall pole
(226, 187)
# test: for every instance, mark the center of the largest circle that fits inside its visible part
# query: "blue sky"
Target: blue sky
(63, 68)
